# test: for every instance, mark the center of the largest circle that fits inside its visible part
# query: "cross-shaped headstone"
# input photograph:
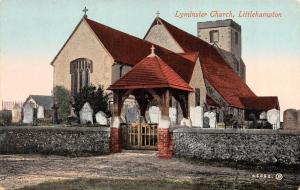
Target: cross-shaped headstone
(85, 10)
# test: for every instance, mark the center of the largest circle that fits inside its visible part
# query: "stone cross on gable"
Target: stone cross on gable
(85, 10)
(157, 14)
(152, 54)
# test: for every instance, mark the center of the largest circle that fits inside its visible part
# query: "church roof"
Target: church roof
(151, 72)
(42, 100)
(211, 102)
(192, 56)
(218, 73)
(130, 50)
(260, 102)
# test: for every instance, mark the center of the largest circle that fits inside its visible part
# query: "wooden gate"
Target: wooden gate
(140, 136)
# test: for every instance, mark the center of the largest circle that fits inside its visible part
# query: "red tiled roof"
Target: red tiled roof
(130, 50)
(260, 102)
(151, 72)
(211, 102)
(220, 75)
(192, 56)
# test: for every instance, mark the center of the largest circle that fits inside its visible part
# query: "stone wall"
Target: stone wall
(251, 146)
(55, 140)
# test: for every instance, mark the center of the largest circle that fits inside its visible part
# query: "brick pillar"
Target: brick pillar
(116, 140)
(116, 128)
(165, 144)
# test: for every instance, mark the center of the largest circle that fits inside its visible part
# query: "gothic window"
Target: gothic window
(80, 70)
(197, 96)
(236, 37)
(214, 36)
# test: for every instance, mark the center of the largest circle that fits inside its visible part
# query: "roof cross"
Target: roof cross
(152, 54)
(157, 13)
(85, 10)
(157, 16)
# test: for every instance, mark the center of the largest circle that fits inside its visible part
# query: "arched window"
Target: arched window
(80, 70)
(214, 36)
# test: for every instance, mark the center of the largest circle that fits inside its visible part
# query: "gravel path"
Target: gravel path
(19, 170)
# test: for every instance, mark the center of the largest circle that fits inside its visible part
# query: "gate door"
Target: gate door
(140, 136)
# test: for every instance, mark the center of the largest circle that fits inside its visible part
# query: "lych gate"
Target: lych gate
(150, 80)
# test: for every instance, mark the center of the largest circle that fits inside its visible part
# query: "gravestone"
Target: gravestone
(263, 115)
(154, 114)
(196, 114)
(173, 115)
(101, 118)
(28, 113)
(212, 118)
(86, 114)
(40, 112)
(273, 117)
(291, 119)
(16, 113)
(205, 122)
(132, 114)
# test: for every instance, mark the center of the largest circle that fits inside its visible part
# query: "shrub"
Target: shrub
(97, 98)
(5, 117)
(63, 101)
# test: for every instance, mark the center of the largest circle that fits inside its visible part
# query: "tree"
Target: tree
(97, 98)
(62, 98)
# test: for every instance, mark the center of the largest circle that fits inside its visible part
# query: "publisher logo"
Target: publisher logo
(279, 176)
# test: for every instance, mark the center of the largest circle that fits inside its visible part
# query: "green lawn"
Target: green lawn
(126, 184)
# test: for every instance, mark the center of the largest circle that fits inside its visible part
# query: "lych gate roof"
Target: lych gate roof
(151, 72)
(215, 70)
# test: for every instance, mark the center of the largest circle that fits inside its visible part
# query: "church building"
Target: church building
(192, 77)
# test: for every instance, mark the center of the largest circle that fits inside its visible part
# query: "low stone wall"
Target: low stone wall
(251, 146)
(55, 140)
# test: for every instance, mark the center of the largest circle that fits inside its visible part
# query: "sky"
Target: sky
(33, 31)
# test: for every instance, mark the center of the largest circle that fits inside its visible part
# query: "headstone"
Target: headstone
(173, 114)
(40, 112)
(86, 114)
(130, 111)
(212, 118)
(132, 114)
(28, 113)
(273, 117)
(291, 119)
(101, 118)
(154, 114)
(16, 113)
(196, 114)
(221, 125)
(263, 115)
(186, 122)
(205, 122)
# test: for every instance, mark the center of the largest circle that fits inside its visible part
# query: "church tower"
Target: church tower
(226, 35)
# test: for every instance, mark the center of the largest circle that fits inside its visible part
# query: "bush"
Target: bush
(5, 117)
(97, 98)
(63, 100)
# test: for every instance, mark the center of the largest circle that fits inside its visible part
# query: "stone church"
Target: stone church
(209, 67)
